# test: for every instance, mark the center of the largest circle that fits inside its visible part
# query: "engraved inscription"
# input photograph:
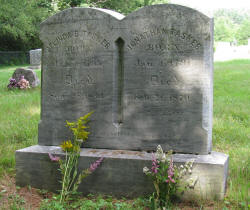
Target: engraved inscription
(79, 82)
(139, 38)
(159, 80)
(79, 95)
(146, 64)
(75, 34)
(174, 99)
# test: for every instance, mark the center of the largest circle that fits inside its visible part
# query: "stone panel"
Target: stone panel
(147, 76)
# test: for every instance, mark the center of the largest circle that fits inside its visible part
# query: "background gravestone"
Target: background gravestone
(149, 81)
(28, 74)
(35, 58)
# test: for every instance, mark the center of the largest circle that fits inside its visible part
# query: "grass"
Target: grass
(20, 113)
(231, 125)
(19, 116)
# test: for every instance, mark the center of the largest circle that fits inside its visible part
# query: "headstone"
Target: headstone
(35, 58)
(28, 74)
(148, 77)
(149, 81)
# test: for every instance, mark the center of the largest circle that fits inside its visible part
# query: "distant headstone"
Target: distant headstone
(149, 81)
(28, 74)
(35, 58)
(148, 77)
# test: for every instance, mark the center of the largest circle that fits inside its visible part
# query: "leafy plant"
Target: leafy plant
(71, 179)
(166, 178)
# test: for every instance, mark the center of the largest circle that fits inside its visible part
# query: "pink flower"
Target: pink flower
(95, 165)
(171, 172)
(155, 165)
(23, 83)
(54, 158)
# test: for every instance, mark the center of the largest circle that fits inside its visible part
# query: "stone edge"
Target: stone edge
(120, 168)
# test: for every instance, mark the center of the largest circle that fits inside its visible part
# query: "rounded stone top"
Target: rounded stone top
(77, 13)
(167, 9)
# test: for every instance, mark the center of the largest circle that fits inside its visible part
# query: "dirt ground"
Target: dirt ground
(13, 197)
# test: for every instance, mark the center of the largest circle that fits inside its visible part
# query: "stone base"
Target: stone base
(34, 67)
(120, 174)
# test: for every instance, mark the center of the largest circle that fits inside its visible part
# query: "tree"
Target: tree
(63, 4)
(232, 25)
(20, 19)
(243, 34)
(123, 6)
(223, 29)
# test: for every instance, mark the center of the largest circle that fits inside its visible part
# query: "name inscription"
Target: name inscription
(76, 34)
(139, 38)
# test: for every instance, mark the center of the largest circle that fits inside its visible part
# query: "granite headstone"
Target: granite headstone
(148, 77)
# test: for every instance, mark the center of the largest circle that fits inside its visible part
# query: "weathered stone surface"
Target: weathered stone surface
(120, 174)
(28, 74)
(147, 76)
(35, 58)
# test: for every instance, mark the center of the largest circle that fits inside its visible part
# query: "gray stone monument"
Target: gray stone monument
(149, 79)
(28, 74)
(35, 59)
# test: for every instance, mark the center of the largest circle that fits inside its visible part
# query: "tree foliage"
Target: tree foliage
(243, 33)
(224, 29)
(20, 21)
(123, 6)
(230, 25)
(64, 4)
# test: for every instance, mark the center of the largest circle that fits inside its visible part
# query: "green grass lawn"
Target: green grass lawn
(231, 125)
(19, 116)
(20, 113)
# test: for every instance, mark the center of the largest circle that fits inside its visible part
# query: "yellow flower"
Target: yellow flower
(67, 146)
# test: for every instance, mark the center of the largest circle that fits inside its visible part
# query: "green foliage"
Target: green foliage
(236, 16)
(95, 202)
(20, 19)
(231, 25)
(64, 4)
(231, 130)
(16, 202)
(224, 29)
(243, 33)
(123, 6)
(71, 179)
(80, 127)
(52, 204)
(68, 167)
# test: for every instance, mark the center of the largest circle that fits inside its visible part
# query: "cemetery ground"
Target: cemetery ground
(20, 114)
